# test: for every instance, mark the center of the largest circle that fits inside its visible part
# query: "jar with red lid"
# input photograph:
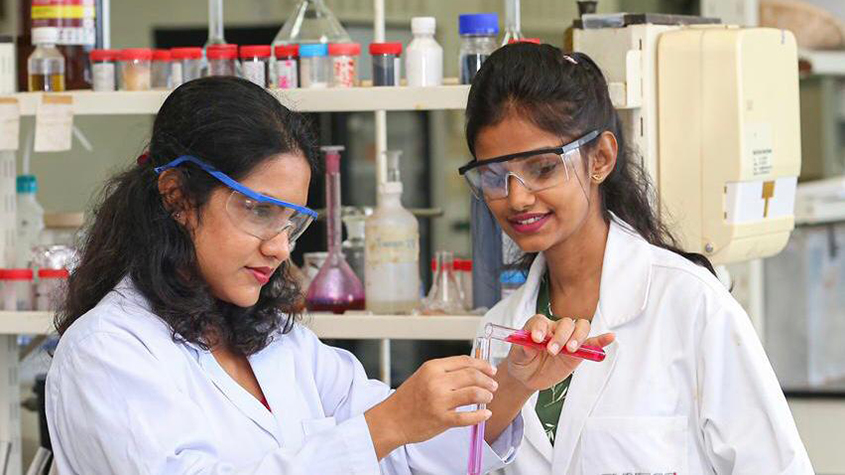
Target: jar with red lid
(344, 58)
(222, 60)
(287, 66)
(135, 69)
(186, 65)
(161, 69)
(16, 289)
(386, 63)
(104, 69)
(49, 287)
(255, 61)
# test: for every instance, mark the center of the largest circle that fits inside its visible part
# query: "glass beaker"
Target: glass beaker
(446, 296)
(335, 288)
(311, 22)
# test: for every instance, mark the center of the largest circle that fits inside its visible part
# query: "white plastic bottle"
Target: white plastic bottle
(391, 259)
(30, 219)
(424, 57)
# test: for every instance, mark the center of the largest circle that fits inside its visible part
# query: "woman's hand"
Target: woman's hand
(542, 369)
(424, 406)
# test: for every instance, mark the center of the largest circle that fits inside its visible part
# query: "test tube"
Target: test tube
(476, 442)
(522, 337)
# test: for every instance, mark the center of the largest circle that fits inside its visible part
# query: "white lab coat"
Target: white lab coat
(124, 398)
(686, 388)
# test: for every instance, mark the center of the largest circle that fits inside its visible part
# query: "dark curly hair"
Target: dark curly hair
(234, 126)
(568, 97)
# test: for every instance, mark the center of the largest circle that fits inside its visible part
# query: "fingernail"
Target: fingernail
(554, 348)
(495, 385)
(572, 345)
(495, 369)
(537, 335)
(488, 414)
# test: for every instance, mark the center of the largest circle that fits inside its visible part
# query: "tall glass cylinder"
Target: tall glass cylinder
(512, 22)
(215, 23)
(335, 288)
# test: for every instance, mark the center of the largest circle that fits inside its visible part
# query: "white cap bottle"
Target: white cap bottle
(424, 56)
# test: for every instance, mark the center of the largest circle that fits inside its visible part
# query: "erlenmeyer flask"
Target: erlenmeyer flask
(335, 288)
(446, 296)
(311, 22)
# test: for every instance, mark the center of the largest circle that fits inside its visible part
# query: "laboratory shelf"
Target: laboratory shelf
(303, 100)
(358, 326)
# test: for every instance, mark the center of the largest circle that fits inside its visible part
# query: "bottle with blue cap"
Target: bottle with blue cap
(478, 41)
(315, 70)
(30, 219)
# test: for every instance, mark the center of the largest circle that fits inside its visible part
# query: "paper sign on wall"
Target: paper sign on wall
(10, 124)
(54, 123)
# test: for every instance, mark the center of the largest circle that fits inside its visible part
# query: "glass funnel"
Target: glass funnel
(215, 23)
(512, 22)
(445, 296)
(311, 22)
(335, 288)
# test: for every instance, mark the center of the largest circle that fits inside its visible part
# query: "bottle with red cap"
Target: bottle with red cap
(344, 64)
(135, 69)
(161, 69)
(255, 60)
(186, 65)
(104, 66)
(16, 289)
(222, 60)
(387, 67)
(287, 66)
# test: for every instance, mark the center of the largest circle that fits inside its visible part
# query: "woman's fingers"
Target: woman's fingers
(601, 340)
(458, 363)
(470, 377)
(468, 418)
(579, 335)
(468, 396)
(538, 327)
(563, 329)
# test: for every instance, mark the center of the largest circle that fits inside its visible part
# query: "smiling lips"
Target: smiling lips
(261, 274)
(529, 223)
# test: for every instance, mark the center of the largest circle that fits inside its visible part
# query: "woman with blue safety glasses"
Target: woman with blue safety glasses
(686, 386)
(181, 350)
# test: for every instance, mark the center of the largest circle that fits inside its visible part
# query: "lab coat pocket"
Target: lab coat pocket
(313, 426)
(641, 445)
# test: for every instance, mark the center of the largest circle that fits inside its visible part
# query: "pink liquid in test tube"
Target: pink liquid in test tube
(476, 441)
(522, 337)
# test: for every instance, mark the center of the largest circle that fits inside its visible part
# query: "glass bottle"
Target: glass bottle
(392, 268)
(215, 24)
(353, 246)
(46, 65)
(446, 296)
(512, 22)
(311, 22)
(335, 288)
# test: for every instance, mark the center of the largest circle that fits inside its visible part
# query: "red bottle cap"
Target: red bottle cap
(535, 41)
(284, 51)
(136, 54)
(53, 273)
(162, 55)
(255, 51)
(345, 49)
(386, 48)
(222, 52)
(16, 274)
(186, 53)
(104, 55)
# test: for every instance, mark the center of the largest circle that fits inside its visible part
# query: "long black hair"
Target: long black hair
(567, 95)
(234, 126)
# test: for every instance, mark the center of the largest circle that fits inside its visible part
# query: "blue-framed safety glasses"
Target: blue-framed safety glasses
(256, 214)
(537, 170)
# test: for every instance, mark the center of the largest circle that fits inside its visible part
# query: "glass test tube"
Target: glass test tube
(476, 443)
(522, 337)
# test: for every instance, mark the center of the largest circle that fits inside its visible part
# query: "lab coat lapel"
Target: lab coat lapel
(534, 432)
(239, 396)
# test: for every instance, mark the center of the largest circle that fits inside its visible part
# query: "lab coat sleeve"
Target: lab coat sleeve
(113, 409)
(746, 423)
(345, 390)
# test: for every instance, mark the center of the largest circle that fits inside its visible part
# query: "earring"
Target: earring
(597, 178)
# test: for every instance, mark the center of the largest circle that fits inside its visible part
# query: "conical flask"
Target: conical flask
(311, 22)
(446, 296)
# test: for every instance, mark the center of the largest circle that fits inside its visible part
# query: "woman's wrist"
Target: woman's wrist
(385, 430)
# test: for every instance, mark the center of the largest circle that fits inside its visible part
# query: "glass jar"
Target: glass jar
(135, 69)
(387, 69)
(287, 66)
(222, 60)
(46, 65)
(315, 69)
(161, 69)
(49, 287)
(344, 64)
(16, 289)
(186, 65)
(103, 65)
(254, 62)
(478, 41)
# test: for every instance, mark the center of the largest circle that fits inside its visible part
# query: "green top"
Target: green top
(550, 401)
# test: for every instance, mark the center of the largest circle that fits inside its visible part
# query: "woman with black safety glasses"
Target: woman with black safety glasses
(181, 349)
(686, 387)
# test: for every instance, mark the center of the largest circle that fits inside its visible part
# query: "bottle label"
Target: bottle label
(391, 246)
(344, 71)
(255, 72)
(286, 74)
(75, 19)
(104, 77)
